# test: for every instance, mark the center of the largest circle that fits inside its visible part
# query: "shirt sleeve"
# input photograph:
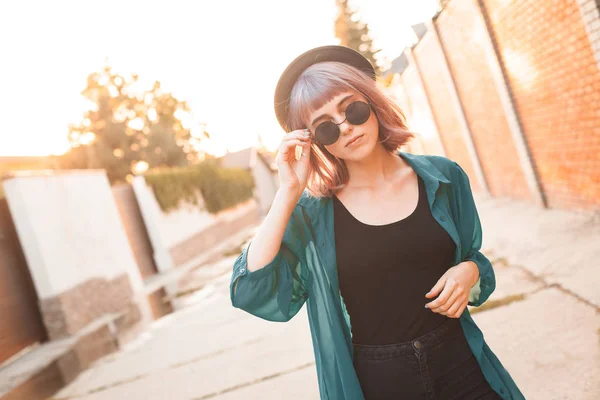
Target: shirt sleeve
(471, 236)
(275, 292)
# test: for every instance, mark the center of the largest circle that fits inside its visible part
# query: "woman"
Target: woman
(382, 245)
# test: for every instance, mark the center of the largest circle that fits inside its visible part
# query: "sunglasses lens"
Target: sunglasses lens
(358, 112)
(327, 133)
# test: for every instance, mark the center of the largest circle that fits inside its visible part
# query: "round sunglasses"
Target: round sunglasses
(357, 113)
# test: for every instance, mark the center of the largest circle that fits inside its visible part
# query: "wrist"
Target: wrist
(474, 268)
(288, 196)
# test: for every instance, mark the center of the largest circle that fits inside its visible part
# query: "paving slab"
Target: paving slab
(513, 280)
(549, 343)
(199, 351)
(560, 246)
(548, 340)
(297, 385)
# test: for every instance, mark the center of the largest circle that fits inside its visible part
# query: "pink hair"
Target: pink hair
(317, 85)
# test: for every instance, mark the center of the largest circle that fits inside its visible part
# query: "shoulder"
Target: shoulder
(436, 165)
(448, 167)
(433, 161)
(443, 164)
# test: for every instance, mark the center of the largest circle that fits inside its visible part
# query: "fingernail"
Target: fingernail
(426, 306)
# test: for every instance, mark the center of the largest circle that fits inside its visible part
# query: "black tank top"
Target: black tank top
(386, 270)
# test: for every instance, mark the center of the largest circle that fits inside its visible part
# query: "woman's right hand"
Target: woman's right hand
(293, 174)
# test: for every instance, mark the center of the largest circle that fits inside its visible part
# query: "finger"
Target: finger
(437, 288)
(288, 148)
(462, 308)
(303, 131)
(456, 308)
(455, 297)
(449, 287)
(459, 310)
(306, 132)
(296, 135)
(290, 145)
(302, 152)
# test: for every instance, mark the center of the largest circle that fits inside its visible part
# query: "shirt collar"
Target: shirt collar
(422, 164)
(424, 167)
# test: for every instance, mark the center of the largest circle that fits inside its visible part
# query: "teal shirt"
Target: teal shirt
(305, 271)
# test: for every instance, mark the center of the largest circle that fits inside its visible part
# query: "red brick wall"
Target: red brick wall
(556, 85)
(430, 62)
(462, 32)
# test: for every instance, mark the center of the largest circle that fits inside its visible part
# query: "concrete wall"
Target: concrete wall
(136, 231)
(70, 229)
(226, 224)
(180, 235)
(75, 246)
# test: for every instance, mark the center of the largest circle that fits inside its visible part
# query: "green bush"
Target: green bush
(220, 187)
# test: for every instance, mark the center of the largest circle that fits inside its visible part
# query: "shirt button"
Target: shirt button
(242, 270)
(443, 218)
(417, 344)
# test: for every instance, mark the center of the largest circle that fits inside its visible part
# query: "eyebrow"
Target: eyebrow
(339, 104)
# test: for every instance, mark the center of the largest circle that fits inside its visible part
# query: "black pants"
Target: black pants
(438, 365)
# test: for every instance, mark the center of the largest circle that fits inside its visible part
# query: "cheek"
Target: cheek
(373, 124)
(337, 149)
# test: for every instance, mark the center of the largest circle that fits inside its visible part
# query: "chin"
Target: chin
(362, 151)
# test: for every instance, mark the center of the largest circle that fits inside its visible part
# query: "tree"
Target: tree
(354, 34)
(126, 125)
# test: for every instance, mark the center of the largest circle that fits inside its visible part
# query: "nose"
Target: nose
(345, 127)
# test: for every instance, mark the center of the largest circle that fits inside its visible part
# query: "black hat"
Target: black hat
(319, 54)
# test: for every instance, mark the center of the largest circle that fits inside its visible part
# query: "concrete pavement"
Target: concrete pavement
(543, 323)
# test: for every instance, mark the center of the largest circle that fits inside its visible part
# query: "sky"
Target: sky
(223, 57)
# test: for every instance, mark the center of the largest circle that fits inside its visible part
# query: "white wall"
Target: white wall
(168, 229)
(178, 225)
(70, 229)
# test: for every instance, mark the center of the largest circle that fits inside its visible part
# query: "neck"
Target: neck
(376, 170)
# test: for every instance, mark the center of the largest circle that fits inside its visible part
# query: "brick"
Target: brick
(466, 51)
(556, 103)
(430, 61)
(64, 315)
(550, 54)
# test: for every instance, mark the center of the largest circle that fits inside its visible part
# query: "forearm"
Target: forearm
(266, 242)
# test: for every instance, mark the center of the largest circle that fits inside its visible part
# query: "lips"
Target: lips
(350, 142)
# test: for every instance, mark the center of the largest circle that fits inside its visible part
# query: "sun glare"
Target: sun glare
(225, 68)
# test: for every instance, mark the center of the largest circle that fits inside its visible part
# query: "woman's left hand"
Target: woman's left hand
(454, 286)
